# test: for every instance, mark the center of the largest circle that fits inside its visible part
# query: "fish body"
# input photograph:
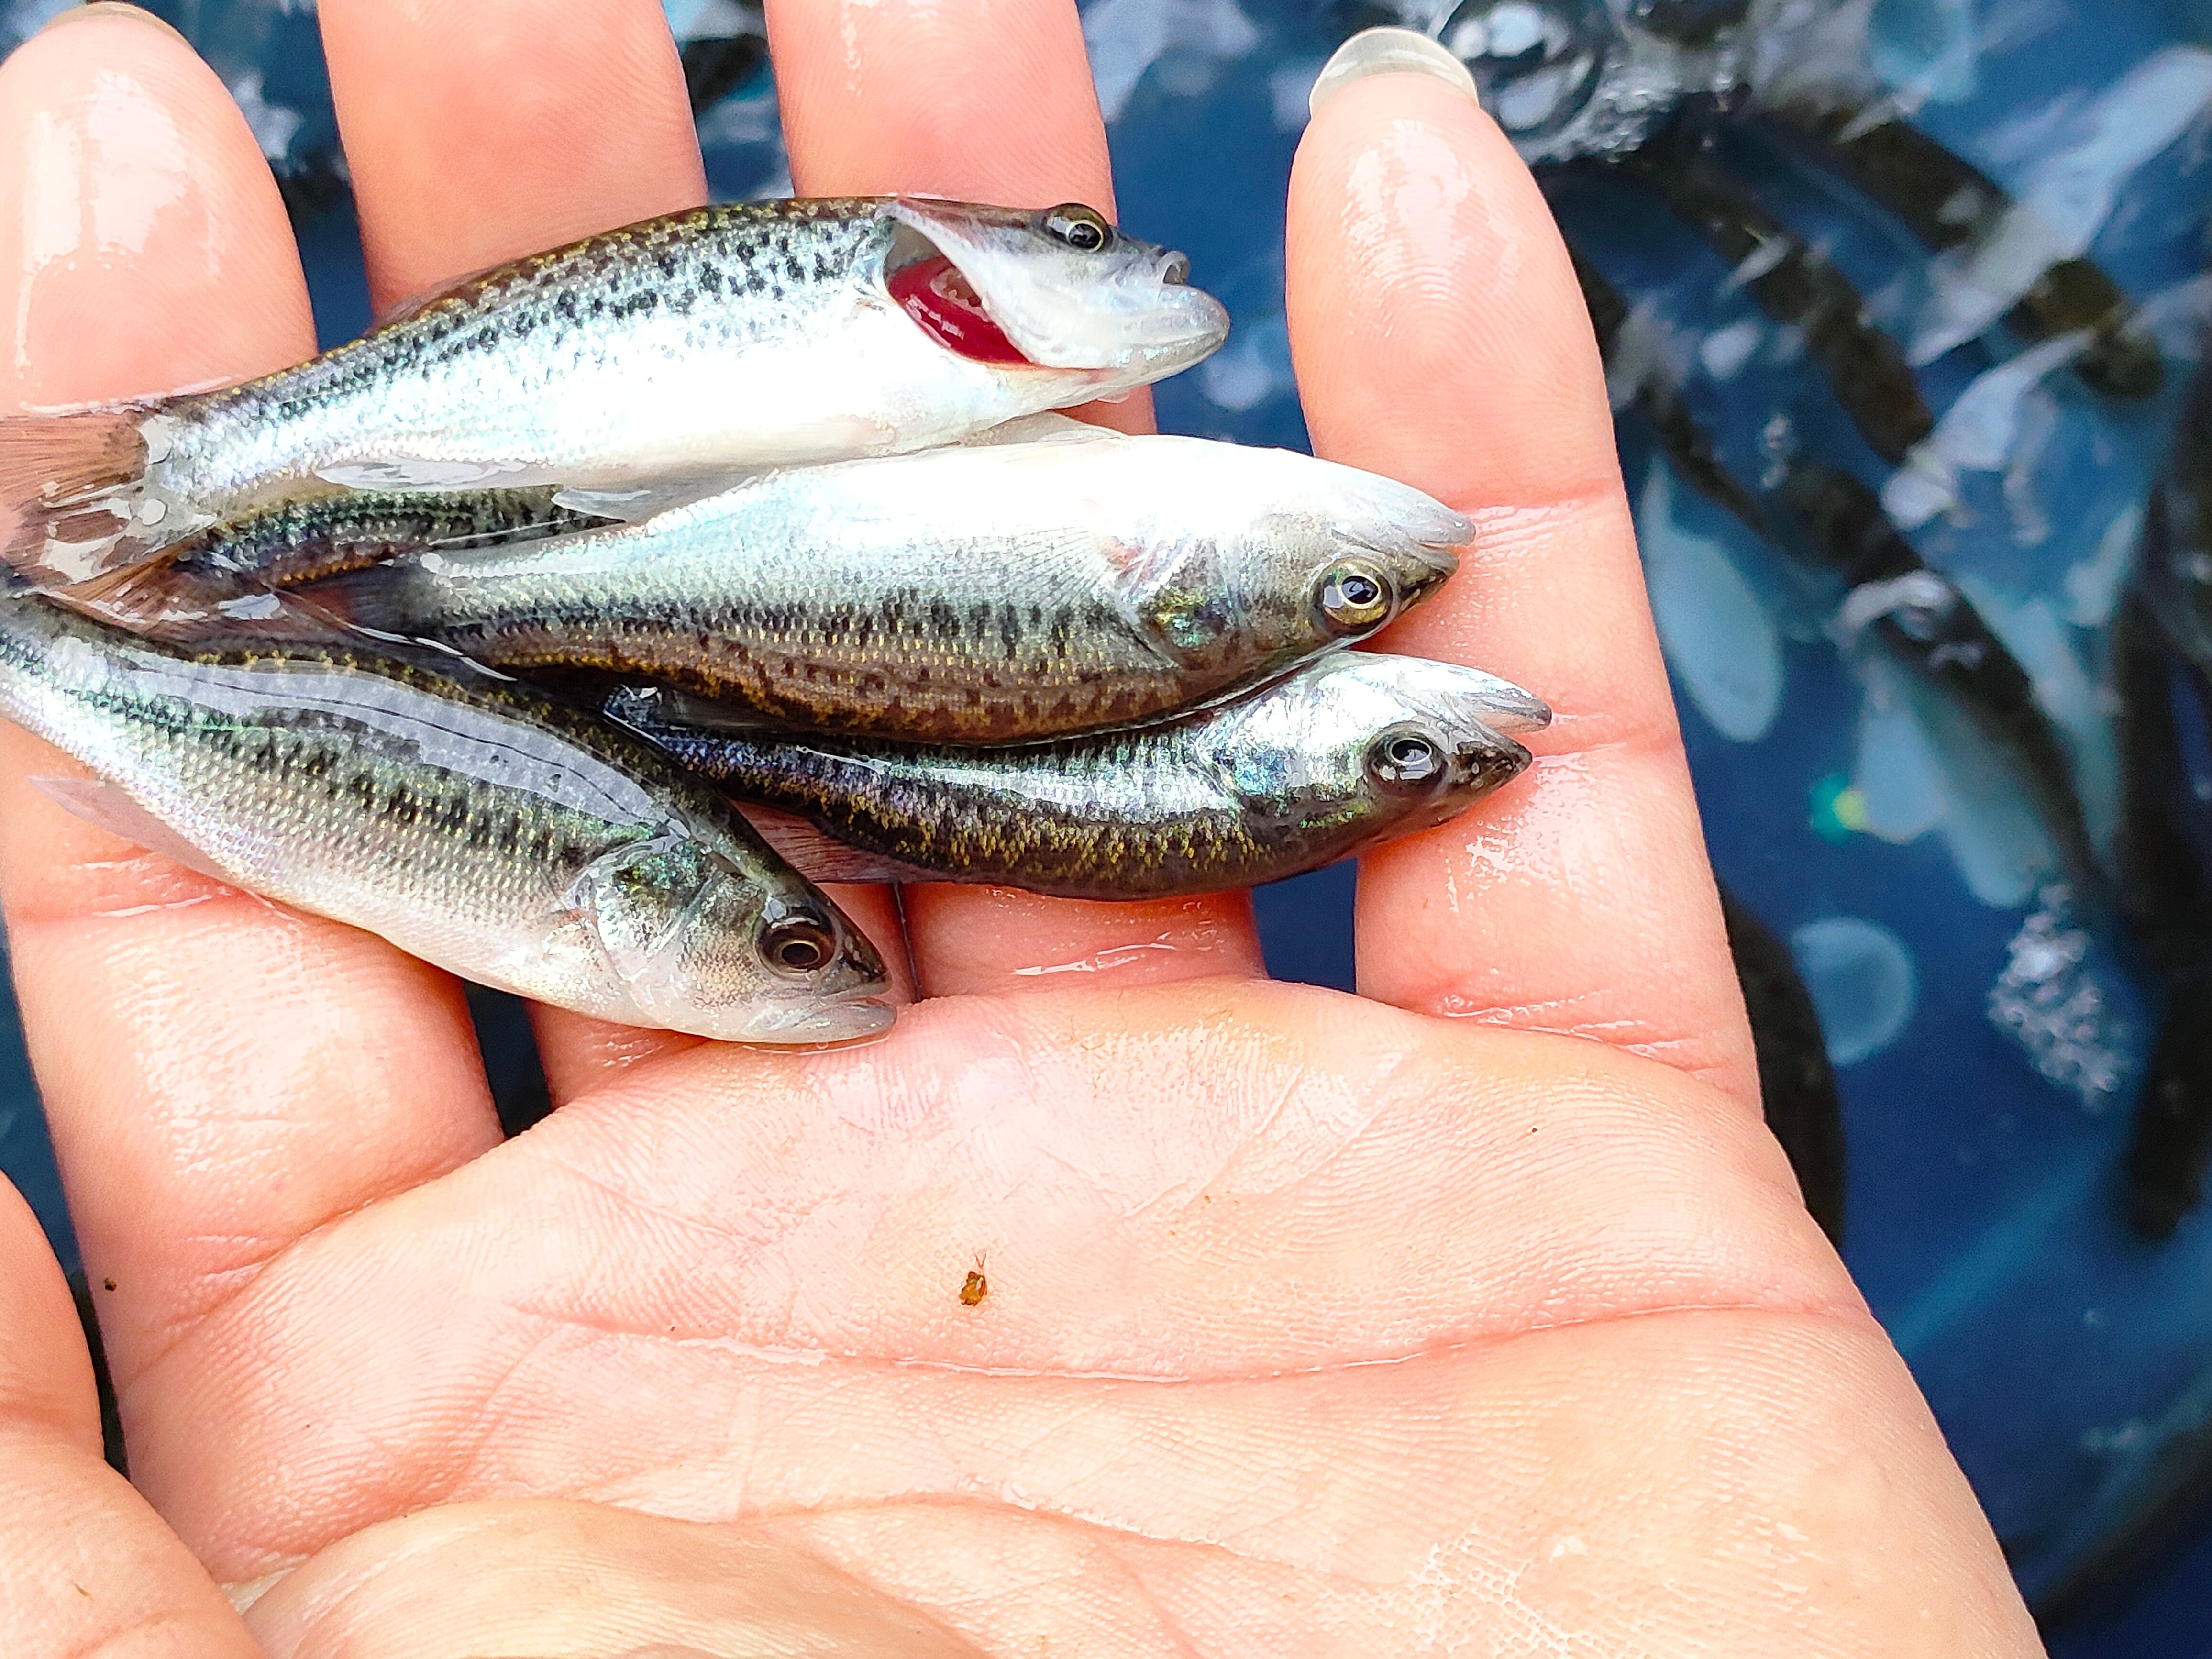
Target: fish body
(711, 340)
(1346, 752)
(476, 825)
(978, 593)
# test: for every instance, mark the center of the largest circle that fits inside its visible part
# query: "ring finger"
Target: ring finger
(993, 102)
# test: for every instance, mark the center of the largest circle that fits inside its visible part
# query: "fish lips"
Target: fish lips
(815, 1024)
(1483, 762)
(1487, 759)
(1122, 312)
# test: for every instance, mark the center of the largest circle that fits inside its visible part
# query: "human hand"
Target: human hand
(1477, 1315)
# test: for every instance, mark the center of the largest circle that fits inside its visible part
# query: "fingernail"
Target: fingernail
(109, 8)
(1386, 51)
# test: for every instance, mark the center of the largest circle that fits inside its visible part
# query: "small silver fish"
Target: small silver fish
(475, 824)
(1066, 579)
(1348, 751)
(705, 341)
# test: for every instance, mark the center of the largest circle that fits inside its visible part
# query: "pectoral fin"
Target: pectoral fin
(821, 857)
(97, 802)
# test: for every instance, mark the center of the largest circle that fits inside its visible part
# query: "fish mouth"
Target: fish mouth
(975, 279)
(817, 1024)
(1484, 761)
(1491, 758)
(937, 294)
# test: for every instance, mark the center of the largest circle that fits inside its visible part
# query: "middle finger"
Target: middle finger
(986, 100)
(479, 130)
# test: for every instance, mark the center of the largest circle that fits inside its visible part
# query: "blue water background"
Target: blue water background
(2063, 1357)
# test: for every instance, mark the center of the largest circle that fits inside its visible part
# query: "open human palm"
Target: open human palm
(1475, 1314)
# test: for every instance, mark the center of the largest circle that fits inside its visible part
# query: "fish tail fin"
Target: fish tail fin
(73, 502)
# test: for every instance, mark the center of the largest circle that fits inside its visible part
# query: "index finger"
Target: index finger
(1440, 336)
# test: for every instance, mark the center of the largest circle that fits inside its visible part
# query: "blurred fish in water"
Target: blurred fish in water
(2162, 651)
(1979, 719)
(478, 826)
(1948, 203)
(1797, 1083)
(2067, 198)
(1347, 751)
(1060, 578)
(1980, 432)
(1723, 646)
(712, 340)
(1793, 283)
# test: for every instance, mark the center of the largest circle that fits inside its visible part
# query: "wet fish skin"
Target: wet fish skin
(721, 338)
(476, 825)
(984, 593)
(1292, 776)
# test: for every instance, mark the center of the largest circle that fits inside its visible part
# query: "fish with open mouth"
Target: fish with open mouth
(702, 342)
(976, 594)
(477, 825)
(1348, 751)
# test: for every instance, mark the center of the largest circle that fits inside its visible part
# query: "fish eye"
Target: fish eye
(1407, 763)
(1354, 597)
(797, 943)
(1084, 229)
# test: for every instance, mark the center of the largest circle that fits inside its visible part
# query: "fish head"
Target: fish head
(1423, 739)
(723, 942)
(1336, 557)
(1060, 288)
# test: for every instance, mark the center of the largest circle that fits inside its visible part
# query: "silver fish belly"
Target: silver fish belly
(479, 826)
(979, 593)
(723, 337)
(1346, 752)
